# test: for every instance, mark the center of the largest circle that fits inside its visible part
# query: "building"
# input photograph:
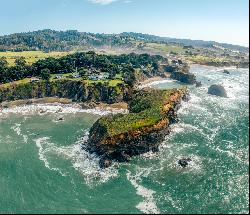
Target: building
(34, 79)
(59, 76)
(76, 75)
(101, 76)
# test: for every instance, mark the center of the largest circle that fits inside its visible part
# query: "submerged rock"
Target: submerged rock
(184, 162)
(217, 90)
(226, 72)
(119, 137)
(198, 84)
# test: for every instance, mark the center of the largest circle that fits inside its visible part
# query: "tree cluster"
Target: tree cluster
(86, 63)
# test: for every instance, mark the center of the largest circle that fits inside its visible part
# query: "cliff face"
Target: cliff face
(76, 90)
(121, 136)
(187, 78)
(181, 73)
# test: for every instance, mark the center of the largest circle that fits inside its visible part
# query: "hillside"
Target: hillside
(72, 40)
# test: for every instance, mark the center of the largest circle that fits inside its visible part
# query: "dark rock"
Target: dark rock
(217, 90)
(105, 163)
(243, 64)
(186, 97)
(198, 84)
(226, 72)
(29, 102)
(184, 162)
(170, 68)
(184, 77)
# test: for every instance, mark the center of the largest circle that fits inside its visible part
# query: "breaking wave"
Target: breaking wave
(85, 163)
(43, 109)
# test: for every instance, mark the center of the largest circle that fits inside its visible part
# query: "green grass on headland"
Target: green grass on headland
(23, 81)
(66, 76)
(146, 110)
(30, 56)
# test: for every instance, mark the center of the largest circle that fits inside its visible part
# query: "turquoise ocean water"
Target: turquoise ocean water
(44, 170)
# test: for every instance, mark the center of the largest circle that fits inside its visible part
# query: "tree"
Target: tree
(83, 73)
(3, 62)
(45, 74)
(20, 62)
(128, 75)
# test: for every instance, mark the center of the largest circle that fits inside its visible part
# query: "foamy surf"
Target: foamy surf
(42, 109)
(154, 83)
(148, 205)
(45, 146)
(82, 161)
(17, 128)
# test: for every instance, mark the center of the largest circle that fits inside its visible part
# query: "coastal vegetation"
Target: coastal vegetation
(86, 64)
(78, 91)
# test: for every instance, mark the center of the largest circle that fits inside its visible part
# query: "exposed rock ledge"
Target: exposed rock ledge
(120, 137)
(181, 73)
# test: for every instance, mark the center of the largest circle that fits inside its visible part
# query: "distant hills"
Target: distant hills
(72, 40)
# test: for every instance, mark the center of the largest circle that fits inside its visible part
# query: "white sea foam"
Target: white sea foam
(42, 109)
(148, 205)
(234, 154)
(44, 146)
(154, 83)
(87, 164)
(17, 128)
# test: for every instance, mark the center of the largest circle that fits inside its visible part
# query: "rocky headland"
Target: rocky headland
(119, 137)
(181, 73)
(77, 91)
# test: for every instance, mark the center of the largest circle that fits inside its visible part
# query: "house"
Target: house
(76, 75)
(94, 77)
(104, 76)
(101, 76)
(34, 79)
(59, 76)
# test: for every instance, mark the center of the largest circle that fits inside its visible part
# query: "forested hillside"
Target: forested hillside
(72, 40)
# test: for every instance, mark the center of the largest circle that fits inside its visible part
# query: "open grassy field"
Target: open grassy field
(166, 48)
(23, 81)
(111, 83)
(30, 56)
(203, 59)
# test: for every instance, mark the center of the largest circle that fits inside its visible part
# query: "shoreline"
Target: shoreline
(150, 81)
(60, 105)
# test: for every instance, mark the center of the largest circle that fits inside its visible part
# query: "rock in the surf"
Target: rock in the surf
(226, 72)
(198, 84)
(217, 90)
(184, 162)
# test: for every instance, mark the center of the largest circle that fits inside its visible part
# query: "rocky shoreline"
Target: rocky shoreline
(120, 137)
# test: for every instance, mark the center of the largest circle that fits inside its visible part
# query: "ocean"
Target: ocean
(43, 168)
